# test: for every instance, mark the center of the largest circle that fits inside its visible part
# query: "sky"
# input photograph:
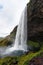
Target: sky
(10, 13)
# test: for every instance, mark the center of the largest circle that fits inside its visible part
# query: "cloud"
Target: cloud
(10, 13)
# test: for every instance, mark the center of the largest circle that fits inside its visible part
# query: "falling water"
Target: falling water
(21, 37)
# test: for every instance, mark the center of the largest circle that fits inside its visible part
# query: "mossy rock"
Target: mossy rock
(9, 61)
(6, 42)
(33, 44)
(34, 60)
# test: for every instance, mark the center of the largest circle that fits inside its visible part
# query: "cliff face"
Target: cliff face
(34, 33)
(8, 40)
(35, 20)
(14, 30)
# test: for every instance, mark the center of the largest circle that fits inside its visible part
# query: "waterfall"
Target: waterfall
(21, 36)
(20, 42)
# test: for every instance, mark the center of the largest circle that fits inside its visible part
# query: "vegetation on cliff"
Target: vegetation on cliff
(34, 39)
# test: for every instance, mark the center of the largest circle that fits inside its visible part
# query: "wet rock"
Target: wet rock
(35, 20)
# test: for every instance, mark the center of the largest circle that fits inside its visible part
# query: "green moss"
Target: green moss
(33, 44)
(20, 60)
(9, 61)
(38, 55)
(8, 40)
(5, 42)
(28, 57)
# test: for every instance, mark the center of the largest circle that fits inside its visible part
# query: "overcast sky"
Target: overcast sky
(10, 13)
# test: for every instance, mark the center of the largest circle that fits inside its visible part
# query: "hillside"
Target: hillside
(34, 39)
(8, 40)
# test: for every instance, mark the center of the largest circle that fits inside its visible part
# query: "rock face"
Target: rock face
(14, 30)
(8, 40)
(35, 20)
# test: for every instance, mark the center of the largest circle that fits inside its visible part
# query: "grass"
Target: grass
(8, 60)
(21, 60)
(5, 42)
(28, 57)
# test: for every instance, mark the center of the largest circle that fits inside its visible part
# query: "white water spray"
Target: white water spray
(20, 42)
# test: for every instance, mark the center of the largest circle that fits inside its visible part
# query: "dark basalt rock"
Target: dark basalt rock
(35, 20)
